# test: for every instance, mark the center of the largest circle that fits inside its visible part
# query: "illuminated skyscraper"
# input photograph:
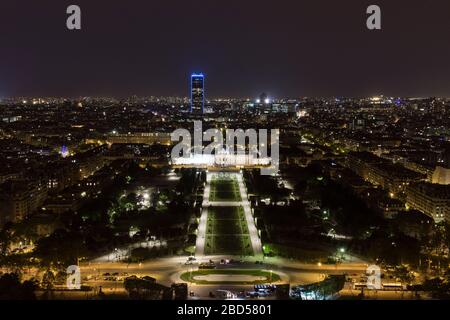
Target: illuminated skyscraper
(197, 93)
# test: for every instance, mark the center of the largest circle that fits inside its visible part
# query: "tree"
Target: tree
(5, 239)
(439, 288)
(140, 254)
(62, 248)
(403, 274)
(48, 279)
(300, 187)
(145, 288)
(12, 289)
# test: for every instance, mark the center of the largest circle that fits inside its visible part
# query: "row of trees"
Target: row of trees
(11, 288)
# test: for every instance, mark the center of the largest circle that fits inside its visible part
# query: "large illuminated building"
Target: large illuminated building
(197, 93)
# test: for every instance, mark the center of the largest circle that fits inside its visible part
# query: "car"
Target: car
(264, 294)
(252, 294)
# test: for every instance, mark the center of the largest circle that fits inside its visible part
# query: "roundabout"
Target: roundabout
(230, 277)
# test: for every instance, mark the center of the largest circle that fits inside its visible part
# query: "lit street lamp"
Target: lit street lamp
(342, 252)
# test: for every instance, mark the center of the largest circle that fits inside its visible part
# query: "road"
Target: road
(166, 271)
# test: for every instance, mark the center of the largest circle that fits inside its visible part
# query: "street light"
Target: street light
(342, 251)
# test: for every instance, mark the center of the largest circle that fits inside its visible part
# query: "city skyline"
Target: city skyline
(95, 185)
(249, 151)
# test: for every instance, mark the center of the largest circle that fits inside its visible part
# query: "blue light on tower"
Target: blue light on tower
(197, 93)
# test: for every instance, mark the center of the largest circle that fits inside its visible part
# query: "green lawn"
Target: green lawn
(269, 277)
(227, 232)
(224, 189)
(228, 245)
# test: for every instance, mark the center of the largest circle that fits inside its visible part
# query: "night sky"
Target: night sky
(287, 48)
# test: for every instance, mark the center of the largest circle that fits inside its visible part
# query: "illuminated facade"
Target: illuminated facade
(222, 160)
(149, 138)
(441, 175)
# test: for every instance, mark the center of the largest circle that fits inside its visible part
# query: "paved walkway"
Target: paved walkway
(201, 234)
(254, 235)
